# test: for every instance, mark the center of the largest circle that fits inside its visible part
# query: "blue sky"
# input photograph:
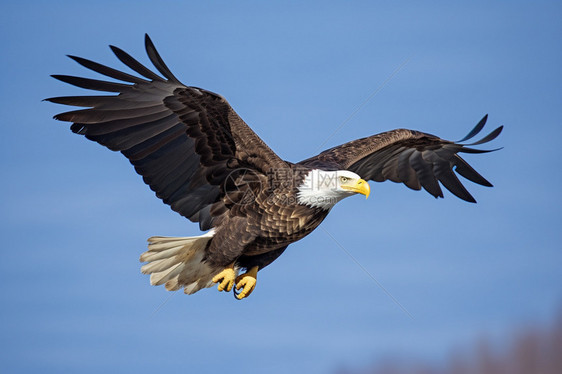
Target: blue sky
(75, 217)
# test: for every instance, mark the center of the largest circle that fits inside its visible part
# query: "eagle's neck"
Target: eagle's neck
(319, 190)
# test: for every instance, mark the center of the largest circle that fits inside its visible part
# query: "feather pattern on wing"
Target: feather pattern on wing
(411, 157)
(184, 141)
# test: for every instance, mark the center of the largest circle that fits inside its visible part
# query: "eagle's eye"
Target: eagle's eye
(344, 179)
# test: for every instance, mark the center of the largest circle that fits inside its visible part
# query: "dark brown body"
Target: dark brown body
(261, 218)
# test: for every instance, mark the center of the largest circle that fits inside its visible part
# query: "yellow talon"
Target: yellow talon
(225, 279)
(246, 282)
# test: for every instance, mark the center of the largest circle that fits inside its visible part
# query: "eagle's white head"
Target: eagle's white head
(323, 189)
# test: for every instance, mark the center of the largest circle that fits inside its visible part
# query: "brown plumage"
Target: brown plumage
(200, 158)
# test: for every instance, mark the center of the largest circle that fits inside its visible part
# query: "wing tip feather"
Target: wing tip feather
(157, 60)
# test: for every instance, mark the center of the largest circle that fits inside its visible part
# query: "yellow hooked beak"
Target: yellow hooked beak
(361, 186)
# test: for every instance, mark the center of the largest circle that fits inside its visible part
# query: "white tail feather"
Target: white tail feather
(153, 256)
(178, 262)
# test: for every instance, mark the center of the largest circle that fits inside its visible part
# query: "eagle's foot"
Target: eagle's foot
(225, 279)
(246, 282)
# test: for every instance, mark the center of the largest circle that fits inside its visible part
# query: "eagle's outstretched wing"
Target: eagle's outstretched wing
(410, 157)
(184, 141)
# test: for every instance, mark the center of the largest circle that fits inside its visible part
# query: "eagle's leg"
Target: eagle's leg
(246, 282)
(225, 278)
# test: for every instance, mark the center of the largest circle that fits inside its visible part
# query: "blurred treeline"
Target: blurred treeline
(529, 350)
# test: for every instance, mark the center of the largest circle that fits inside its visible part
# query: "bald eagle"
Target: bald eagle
(203, 160)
